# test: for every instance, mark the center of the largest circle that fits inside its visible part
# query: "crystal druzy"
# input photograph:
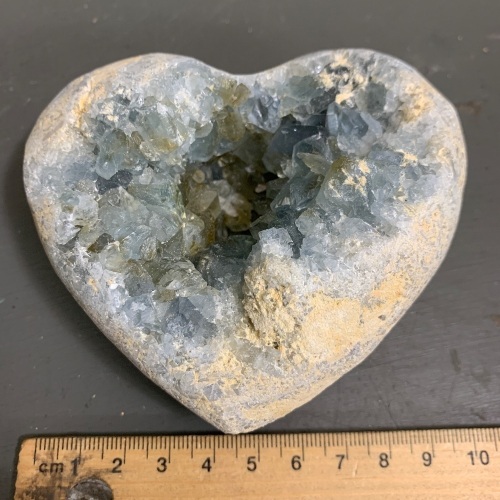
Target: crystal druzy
(247, 240)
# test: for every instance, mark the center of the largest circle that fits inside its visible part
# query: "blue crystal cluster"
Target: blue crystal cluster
(246, 240)
(191, 174)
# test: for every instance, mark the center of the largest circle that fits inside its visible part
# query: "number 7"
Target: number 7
(341, 459)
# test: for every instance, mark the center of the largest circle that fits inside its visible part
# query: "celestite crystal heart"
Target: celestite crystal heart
(247, 240)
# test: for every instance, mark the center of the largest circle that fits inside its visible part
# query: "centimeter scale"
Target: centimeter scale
(442, 463)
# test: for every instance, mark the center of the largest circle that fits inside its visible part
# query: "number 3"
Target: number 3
(162, 464)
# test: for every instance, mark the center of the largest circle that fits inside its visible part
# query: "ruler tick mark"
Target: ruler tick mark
(474, 441)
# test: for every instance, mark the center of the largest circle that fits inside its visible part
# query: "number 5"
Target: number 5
(251, 464)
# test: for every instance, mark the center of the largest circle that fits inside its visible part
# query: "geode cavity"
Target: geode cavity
(247, 240)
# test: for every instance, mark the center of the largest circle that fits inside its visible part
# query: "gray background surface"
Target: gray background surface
(439, 366)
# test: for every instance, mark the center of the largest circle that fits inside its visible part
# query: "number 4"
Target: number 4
(207, 465)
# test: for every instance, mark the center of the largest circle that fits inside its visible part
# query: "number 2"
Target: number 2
(117, 465)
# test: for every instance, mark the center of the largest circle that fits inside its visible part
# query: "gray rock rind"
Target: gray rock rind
(272, 297)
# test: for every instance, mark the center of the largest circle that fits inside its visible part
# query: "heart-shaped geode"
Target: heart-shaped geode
(247, 240)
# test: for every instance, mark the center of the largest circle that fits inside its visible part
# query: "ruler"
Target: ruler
(440, 463)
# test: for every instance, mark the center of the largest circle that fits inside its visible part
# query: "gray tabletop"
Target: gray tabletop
(439, 366)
